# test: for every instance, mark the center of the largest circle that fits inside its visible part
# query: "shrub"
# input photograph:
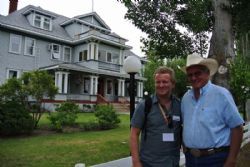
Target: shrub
(65, 115)
(107, 117)
(240, 81)
(14, 119)
(88, 126)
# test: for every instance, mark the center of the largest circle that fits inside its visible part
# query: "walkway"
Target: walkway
(126, 162)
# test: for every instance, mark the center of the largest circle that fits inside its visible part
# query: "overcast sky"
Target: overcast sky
(111, 11)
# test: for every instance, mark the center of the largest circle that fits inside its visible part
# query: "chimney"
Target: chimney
(13, 6)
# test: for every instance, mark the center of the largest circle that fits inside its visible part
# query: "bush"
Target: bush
(107, 117)
(14, 119)
(89, 126)
(65, 115)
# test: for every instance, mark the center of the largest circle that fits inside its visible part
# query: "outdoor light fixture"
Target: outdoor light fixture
(132, 65)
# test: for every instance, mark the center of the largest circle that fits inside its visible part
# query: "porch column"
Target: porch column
(61, 81)
(58, 81)
(121, 57)
(96, 51)
(138, 89)
(93, 85)
(66, 76)
(92, 51)
(121, 87)
(142, 86)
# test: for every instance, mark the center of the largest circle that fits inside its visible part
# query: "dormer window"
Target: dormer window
(42, 22)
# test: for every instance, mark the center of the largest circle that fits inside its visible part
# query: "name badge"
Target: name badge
(176, 118)
(167, 137)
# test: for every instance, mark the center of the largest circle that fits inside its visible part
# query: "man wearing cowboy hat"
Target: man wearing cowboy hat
(212, 125)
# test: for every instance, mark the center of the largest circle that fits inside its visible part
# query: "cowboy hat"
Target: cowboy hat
(195, 59)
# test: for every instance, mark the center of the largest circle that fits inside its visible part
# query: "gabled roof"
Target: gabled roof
(17, 21)
(91, 17)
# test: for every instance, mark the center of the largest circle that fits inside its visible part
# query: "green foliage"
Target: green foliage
(14, 119)
(175, 64)
(65, 115)
(90, 126)
(163, 22)
(180, 76)
(240, 81)
(107, 117)
(150, 68)
(34, 84)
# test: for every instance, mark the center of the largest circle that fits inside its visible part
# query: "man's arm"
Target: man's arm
(236, 139)
(134, 146)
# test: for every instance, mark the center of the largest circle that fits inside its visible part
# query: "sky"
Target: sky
(111, 11)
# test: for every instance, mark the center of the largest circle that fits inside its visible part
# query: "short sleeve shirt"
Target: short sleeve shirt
(154, 150)
(207, 121)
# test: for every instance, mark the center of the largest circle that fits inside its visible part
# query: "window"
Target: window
(67, 54)
(115, 58)
(83, 55)
(55, 51)
(109, 57)
(102, 55)
(12, 73)
(86, 83)
(29, 47)
(15, 43)
(42, 22)
(109, 87)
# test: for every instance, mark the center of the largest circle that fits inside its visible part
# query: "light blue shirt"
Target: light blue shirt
(207, 121)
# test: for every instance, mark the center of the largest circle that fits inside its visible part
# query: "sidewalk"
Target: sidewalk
(126, 162)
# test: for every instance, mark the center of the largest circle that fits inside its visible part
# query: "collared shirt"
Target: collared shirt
(207, 121)
(154, 151)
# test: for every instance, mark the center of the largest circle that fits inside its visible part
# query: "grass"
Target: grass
(65, 150)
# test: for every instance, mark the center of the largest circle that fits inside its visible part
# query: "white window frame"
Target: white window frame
(42, 21)
(33, 47)
(8, 73)
(55, 53)
(64, 54)
(83, 55)
(19, 42)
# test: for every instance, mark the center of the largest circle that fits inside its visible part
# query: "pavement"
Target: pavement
(126, 162)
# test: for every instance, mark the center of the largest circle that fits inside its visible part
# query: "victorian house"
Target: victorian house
(82, 53)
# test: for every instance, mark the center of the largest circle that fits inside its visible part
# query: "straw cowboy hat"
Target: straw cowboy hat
(195, 59)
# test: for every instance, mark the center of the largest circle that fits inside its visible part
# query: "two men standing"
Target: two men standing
(212, 125)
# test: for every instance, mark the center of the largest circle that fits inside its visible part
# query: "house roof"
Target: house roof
(17, 21)
(78, 67)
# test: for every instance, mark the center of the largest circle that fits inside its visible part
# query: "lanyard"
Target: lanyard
(167, 118)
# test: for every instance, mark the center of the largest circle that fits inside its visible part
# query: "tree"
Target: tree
(161, 21)
(38, 85)
(35, 86)
(150, 68)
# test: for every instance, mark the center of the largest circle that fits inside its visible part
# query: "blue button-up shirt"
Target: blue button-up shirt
(208, 120)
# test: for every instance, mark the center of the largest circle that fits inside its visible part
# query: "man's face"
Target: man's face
(197, 76)
(163, 84)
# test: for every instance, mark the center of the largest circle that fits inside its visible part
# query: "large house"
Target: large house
(83, 55)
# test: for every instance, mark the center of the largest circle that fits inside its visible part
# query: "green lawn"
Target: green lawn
(65, 150)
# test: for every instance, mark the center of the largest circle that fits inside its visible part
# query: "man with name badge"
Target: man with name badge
(158, 120)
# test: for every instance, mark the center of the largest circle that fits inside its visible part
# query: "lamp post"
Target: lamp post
(132, 65)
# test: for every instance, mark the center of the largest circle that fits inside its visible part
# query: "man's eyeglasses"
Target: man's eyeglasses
(194, 74)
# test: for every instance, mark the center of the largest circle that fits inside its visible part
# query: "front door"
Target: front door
(100, 90)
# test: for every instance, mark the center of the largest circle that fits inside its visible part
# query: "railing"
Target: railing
(108, 66)
(101, 100)
(246, 135)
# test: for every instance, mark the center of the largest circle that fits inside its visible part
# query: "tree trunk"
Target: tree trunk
(222, 41)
